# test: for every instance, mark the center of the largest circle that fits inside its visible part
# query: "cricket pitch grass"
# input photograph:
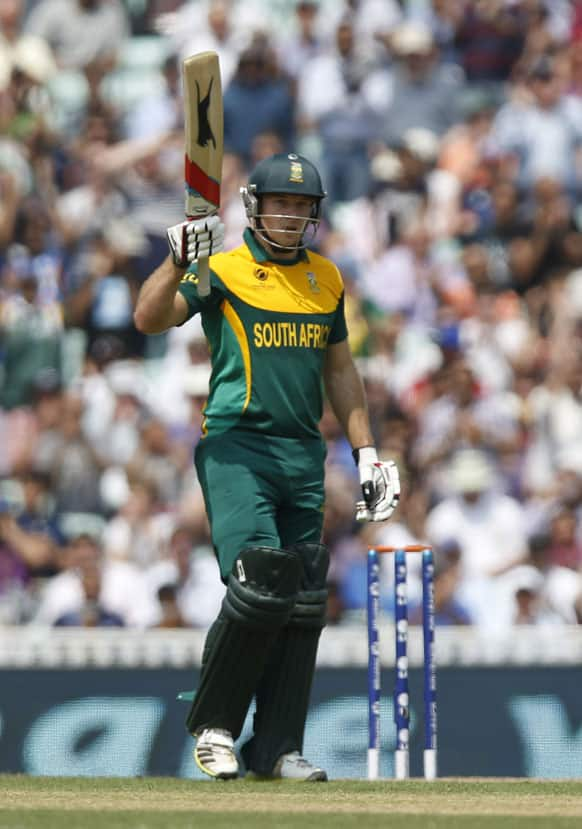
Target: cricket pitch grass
(167, 803)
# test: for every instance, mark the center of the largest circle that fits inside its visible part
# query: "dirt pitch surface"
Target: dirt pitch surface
(149, 803)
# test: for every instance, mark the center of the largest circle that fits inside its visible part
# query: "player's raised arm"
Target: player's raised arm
(159, 304)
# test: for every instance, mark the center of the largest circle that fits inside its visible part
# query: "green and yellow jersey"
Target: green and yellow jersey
(268, 325)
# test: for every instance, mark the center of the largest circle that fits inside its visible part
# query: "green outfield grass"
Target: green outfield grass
(156, 803)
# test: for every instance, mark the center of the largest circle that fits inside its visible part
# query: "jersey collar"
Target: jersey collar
(260, 254)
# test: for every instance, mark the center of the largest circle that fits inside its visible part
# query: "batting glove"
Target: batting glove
(380, 484)
(192, 240)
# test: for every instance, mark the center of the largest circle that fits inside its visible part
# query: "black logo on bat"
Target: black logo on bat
(204, 129)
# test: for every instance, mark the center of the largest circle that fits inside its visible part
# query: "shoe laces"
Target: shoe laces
(223, 744)
(298, 760)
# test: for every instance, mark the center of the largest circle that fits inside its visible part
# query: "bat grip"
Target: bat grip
(203, 277)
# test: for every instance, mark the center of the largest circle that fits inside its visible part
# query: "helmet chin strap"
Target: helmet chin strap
(267, 240)
(300, 245)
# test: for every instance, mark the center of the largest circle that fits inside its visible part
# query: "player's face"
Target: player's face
(284, 218)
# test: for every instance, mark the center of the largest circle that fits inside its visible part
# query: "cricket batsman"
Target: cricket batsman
(274, 319)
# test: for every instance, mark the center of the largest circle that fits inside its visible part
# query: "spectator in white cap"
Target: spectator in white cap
(425, 92)
(488, 526)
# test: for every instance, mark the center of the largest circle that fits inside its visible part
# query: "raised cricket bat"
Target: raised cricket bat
(204, 136)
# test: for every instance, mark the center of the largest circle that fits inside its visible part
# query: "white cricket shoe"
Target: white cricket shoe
(295, 767)
(214, 754)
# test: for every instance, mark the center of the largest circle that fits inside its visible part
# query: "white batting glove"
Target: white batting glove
(380, 484)
(192, 240)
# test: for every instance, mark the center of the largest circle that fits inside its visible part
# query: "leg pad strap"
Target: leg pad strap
(262, 587)
(310, 605)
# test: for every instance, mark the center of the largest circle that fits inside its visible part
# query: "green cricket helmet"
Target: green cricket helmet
(283, 173)
(286, 173)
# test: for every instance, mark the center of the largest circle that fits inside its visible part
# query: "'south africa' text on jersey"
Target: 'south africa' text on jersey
(290, 334)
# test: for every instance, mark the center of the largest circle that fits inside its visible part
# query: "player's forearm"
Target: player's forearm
(155, 308)
(345, 392)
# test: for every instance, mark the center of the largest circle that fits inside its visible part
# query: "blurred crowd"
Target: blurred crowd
(449, 137)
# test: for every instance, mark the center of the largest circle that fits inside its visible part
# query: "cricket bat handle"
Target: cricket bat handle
(203, 277)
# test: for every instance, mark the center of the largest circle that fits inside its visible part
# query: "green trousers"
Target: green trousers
(260, 490)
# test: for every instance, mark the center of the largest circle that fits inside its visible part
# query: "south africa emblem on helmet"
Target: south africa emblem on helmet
(295, 171)
(261, 274)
